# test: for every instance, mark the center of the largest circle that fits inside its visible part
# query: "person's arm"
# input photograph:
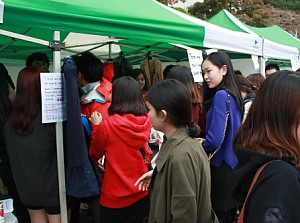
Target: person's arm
(183, 193)
(98, 138)
(144, 181)
(215, 123)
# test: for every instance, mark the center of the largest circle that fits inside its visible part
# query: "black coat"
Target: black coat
(34, 163)
(276, 194)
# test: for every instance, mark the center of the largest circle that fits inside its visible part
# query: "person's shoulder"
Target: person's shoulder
(220, 98)
(189, 144)
(283, 170)
(221, 94)
(189, 151)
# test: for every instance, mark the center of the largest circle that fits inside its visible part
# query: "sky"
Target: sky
(186, 4)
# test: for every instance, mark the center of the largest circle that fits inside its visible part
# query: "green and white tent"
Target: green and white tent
(30, 26)
(277, 43)
(143, 21)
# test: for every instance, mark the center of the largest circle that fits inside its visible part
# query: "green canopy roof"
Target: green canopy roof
(277, 34)
(142, 21)
(277, 42)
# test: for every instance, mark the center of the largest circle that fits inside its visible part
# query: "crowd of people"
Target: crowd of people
(162, 149)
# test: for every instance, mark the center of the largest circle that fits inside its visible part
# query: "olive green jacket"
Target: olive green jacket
(180, 185)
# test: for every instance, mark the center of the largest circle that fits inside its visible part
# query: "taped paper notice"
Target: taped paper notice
(195, 60)
(53, 97)
(255, 61)
(295, 61)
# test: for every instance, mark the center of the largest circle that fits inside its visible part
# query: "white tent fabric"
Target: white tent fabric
(221, 38)
(270, 49)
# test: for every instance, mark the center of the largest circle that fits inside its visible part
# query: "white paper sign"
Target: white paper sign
(195, 60)
(1, 11)
(295, 61)
(8, 205)
(53, 97)
(255, 61)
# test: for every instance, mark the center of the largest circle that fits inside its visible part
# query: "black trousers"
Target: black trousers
(135, 213)
(222, 184)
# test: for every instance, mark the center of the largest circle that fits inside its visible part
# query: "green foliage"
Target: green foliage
(170, 2)
(252, 12)
(207, 9)
(274, 3)
(182, 10)
(284, 4)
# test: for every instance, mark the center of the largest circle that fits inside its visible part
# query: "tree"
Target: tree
(182, 10)
(284, 4)
(207, 9)
(170, 2)
(252, 12)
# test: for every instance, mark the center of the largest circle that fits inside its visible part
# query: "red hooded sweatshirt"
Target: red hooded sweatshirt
(120, 139)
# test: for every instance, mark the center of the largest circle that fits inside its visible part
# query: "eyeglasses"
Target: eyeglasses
(41, 65)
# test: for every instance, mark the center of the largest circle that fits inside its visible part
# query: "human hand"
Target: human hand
(96, 118)
(144, 181)
(201, 140)
(100, 164)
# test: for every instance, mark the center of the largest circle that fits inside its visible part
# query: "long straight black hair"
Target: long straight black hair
(228, 83)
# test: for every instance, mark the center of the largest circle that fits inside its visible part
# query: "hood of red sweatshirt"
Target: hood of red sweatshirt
(132, 130)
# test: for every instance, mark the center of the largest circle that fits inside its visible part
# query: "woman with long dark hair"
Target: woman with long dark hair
(224, 106)
(31, 146)
(271, 132)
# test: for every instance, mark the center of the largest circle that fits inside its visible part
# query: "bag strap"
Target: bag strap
(211, 155)
(86, 125)
(258, 172)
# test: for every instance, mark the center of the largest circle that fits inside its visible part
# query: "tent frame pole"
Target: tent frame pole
(23, 37)
(262, 65)
(56, 47)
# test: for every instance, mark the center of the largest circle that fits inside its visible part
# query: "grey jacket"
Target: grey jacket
(180, 185)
